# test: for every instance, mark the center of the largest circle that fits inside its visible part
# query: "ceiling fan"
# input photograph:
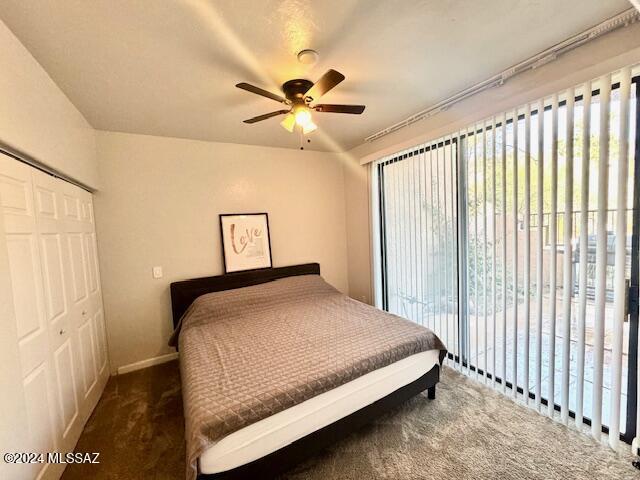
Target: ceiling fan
(298, 96)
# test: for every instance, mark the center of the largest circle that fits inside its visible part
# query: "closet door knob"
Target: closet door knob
(62, 331)
(84, 312)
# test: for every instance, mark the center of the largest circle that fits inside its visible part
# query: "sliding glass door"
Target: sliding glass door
(516, 241)
(418, 237)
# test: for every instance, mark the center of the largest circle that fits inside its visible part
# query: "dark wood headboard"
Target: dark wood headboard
(185, 292)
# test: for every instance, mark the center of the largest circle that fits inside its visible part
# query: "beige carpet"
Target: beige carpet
(468, 432)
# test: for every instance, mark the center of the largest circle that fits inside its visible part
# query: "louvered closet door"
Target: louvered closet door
(56, 274)
(19, 217)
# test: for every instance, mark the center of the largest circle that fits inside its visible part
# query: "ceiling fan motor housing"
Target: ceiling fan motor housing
(295, 89)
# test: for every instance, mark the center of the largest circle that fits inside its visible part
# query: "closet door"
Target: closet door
(81, 304)
(51, 243)
(93, 282)
(84, 294)
(56, 276)
(19, 218)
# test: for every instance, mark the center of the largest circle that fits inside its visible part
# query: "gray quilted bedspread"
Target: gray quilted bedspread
(248, 353)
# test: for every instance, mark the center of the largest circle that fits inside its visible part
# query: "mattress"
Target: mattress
(277, 431)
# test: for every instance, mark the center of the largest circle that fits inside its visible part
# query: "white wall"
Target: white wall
(159, 205)
(38, 120)
(605, 54)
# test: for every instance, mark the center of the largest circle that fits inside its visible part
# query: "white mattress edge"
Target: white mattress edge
(277, 431)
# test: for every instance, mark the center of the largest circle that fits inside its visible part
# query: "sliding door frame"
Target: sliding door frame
(634, 286)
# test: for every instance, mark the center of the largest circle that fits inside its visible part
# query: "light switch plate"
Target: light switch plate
(157, 272)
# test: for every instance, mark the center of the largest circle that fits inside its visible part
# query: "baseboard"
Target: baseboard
(149, 362)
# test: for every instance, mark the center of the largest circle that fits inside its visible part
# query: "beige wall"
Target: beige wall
(600, 56)
(38, 120)
(159, 205)
(357, 200)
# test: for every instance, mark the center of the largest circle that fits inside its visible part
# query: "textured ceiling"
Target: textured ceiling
(169, 67)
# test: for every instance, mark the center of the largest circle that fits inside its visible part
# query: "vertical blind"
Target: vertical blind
(516, 241)
(418, 237)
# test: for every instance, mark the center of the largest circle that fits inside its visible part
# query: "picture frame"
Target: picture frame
(246, 241)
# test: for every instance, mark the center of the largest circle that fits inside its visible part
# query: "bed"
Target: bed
(277, 364)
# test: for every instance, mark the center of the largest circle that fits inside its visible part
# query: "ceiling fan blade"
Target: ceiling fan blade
(324, 84)
(259, 118)
(354, 109)
(259, 91)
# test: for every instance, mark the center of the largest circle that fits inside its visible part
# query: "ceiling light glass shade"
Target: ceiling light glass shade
(289, 122)
(303, 116)
(309, 127)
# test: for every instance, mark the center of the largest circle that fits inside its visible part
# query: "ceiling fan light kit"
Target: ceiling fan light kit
(309, 127)
(302, 115)
(298, 96)
(289, 122)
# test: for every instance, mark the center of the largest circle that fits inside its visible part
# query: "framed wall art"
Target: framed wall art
(246, 244)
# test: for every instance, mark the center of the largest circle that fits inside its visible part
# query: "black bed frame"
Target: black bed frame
(185, 292)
